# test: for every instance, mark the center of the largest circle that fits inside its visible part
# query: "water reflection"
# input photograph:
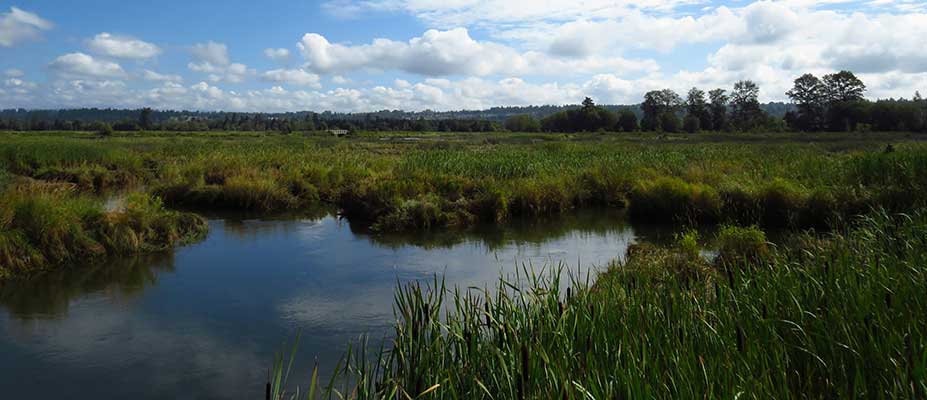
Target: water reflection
(205, 321)
(496, 237)
(49, 295)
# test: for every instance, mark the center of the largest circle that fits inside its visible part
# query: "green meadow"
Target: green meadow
(402, 181)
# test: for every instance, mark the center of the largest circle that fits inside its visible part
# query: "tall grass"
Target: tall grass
(840, 316)
(46, 225)
(458, 181)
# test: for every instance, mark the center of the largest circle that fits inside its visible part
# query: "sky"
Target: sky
(369, 55)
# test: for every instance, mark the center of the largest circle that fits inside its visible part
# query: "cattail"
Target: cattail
(560, 307)
(525, 362)
(569, 295)
(740, 339)
(909, 354)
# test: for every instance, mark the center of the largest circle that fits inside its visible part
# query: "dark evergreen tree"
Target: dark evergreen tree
(627, 121)
(144, 119)
(718, 108)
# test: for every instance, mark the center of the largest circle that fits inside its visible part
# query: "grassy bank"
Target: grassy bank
(47, 225)
(397, 182)
(839, 316)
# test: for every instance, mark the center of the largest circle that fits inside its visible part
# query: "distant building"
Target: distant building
(338, 132)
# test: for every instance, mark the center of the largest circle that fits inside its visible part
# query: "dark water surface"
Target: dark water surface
(205, 320)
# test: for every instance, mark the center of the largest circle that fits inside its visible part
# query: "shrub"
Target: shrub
(40, 229)
(781, 201)
(741, 246)
(17, 255)
(687, 242)
(673, 200)
(413, 214)
(491, 205)
(106, 130)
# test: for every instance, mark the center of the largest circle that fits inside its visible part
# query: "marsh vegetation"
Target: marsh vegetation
(442, 180)
(835, 316)
(835, 310)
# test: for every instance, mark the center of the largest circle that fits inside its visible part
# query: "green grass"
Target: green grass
(783, 180)
(461, 180)
(837, 316)
(44, 226)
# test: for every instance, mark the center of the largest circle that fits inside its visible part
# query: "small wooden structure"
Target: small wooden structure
(338, 132)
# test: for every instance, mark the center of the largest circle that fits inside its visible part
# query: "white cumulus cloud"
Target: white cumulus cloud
(279, 55)
(17, 26)
(213, 59)
(293, 77)
(84, 65)
(117, 46)
(447, 53)
(150, 75)
(211, 52)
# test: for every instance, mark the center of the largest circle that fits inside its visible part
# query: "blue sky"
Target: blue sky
(365, 55)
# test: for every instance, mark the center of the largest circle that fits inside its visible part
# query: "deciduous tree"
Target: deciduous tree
(718, 108)
(808, 94)
(697, 106)
(656, 104)
(745, 106)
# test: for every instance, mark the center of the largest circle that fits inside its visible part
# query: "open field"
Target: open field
(398, 181)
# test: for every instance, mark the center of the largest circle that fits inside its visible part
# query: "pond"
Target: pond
(204, 321)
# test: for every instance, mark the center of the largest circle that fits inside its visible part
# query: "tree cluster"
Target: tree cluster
(717, 110)
(588, 118)
(836, 103)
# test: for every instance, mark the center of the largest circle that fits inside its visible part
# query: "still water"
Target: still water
(205, 320)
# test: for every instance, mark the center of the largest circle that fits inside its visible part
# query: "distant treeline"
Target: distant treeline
(834, 102)
(148, 119)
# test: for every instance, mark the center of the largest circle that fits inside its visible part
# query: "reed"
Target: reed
(459, 180)
(840, 316)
